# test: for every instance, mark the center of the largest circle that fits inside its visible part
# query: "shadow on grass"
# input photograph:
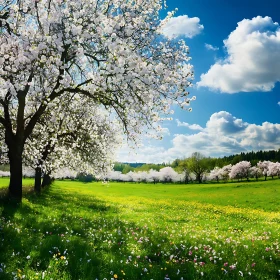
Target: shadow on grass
(76, 237)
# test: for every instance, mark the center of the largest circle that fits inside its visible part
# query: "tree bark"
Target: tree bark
(46, 180)
(15, 143)
(38, 182)
(15, 157)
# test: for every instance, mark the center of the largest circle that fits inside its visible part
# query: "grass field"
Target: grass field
(143, 231)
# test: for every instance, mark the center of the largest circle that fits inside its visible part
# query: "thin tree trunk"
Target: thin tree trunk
(46, 180)
(38, 182)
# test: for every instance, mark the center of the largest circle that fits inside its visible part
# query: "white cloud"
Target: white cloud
(165, 131)
(211, 48)
(190, 126)
(253, 60)
(182, 26)
(223, 135)
(278, 103)
(225, 123)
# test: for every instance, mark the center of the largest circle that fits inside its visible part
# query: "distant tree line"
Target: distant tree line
(253, 157)
(211, 162)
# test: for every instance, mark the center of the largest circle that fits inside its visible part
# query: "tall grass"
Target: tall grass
(143, 231)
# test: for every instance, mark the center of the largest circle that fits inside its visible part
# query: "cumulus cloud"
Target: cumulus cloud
(223, 134)
(211, 48)
(190, 126)
(225, 123)
(182, 26)
(253, 59)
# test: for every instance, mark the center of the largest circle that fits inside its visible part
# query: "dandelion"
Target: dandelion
(115, 276)
(28, 257)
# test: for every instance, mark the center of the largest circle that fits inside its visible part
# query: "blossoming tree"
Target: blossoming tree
(264, 167)
(240, 170)
(110, 51)
(80, 136)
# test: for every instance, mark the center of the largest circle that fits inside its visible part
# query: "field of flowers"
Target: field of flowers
(143, 231)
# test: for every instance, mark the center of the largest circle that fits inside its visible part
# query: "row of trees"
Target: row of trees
(73, 73)
(195, 170)
(252, 157)
(188, 173)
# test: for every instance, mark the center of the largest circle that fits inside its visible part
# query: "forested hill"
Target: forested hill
(254, 157)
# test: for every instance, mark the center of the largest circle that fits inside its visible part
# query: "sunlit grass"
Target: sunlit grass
(4, 182)
(143, 231)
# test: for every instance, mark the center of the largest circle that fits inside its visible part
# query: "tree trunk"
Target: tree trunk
(15, 187)
(46, 180)
(38, 183)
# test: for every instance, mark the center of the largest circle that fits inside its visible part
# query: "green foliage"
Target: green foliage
(198, 164)
(136, 167)
(142, 231)
(147, 167)
(120, 166)
(83, 177)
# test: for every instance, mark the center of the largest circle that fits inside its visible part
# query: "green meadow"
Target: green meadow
(130, 231)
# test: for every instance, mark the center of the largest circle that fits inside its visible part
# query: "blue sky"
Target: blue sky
(235, 50)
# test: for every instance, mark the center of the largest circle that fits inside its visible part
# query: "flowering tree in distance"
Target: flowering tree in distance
(264, 166)
(240, 170)
(110, 51)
